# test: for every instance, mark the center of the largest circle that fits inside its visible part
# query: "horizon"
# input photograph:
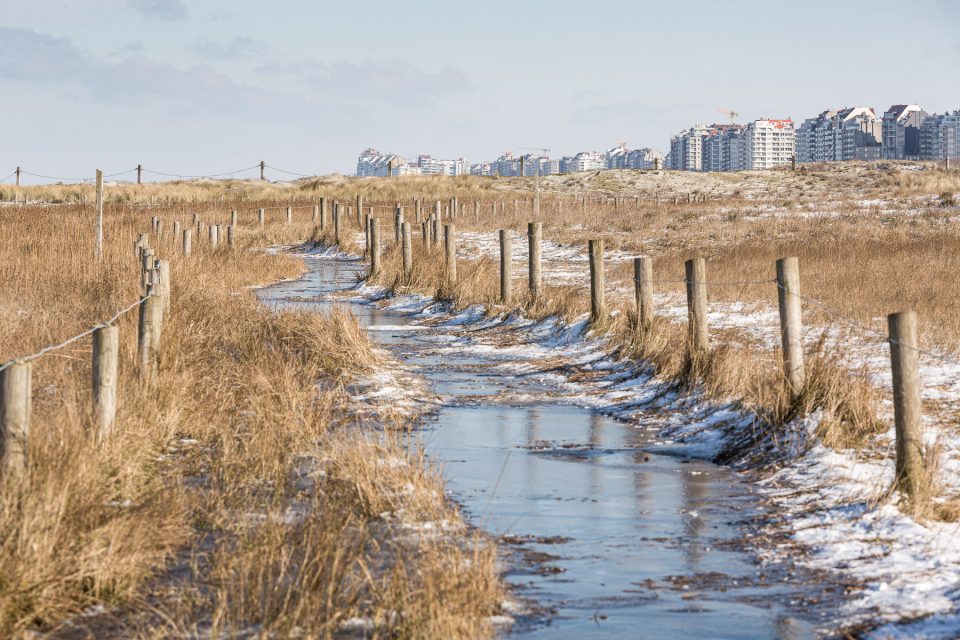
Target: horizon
(194, 88)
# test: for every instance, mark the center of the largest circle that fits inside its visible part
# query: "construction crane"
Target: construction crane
(732, 114)
(536, 181)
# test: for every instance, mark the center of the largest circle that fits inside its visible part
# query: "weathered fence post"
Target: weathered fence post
(506, 281)
(336, 223)
(99, 224)
(187, 242)
(163, 276)
(597, 304)
(791, 324)
(323, 213)
(436, 230)
(230, 236)
(407, 253)
(905, 366)
(534, 238)
(15, 406)
(176, 230)
(643, 287)
(316, 213)
(233, 218)
(359, 210)
(418, 210)
(148, 336)
(366, 235)
(696, 276)
(289, 215)
(426, 237)
(374, 244)
(398, 224)
(106, 356)
(214, 235)
(261, 217)
(450, 245)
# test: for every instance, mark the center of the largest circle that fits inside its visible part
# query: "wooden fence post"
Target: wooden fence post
(336, 223)
(106, 357)
(163, 273)
(366, 235)
(99, 224)
(418, 210)
(506, 280)
(148, 336)
(597, 304)
(407, 253)
(261, 217)
(213, 235)
(15, 407)
(359, 209)
(696, 276)
(289, 215)
(436, 231)
(398, 224)
(643, 284)
(450, 246)
(233, 218)
(187, 242)
(176, 230)
(316, 213)
(374, 244)
(905, 366)
(534, 238)
(426, 237)
(230, 236)
(791, 324)
(323, 213)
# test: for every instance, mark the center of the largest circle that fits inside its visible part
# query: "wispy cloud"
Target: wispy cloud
(237, 47)
(163, 9)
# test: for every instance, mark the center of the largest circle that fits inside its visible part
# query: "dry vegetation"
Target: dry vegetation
(239, 494)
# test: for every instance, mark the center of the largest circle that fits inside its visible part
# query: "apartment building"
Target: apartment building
(852, 133)
(372, 163)
(901, 132)
(940, 136)
(770, 143)
(620, 157)
(724, 148)
(686, 148)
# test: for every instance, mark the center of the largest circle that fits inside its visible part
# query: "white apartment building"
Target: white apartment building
(769, 143)
(588, 161)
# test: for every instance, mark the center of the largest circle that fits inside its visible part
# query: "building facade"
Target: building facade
(852, 133)
(769, 143)
(901, 132)
(940, 136)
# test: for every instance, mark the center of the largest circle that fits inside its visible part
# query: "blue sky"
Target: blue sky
(204, 87)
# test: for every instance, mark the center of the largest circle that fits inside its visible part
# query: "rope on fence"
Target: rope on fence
(292, 173)
(210, 175)
(69, 341)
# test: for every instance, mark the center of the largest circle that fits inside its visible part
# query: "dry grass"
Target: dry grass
(234, 496)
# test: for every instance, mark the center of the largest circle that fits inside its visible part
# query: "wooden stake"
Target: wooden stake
(450, 246)
(506, 279)
(791, 324)
(106, 358)
(696, 276)
(289, 215)
(99, 225)
(15, 407)
(905, 366)
(230, 236)
(426, 237)
(261, 217)
(336, 223)
(597, 304)
(534, 239)
(374, 244)
(187, 242)
(407, 253)
(233, 218)
(643, 284)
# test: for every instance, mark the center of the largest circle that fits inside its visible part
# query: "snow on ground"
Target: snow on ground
(911, 570)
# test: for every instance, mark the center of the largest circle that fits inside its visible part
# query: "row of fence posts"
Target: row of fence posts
(16, 378)
(902, 326)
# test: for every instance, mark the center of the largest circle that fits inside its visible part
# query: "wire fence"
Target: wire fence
(55, 347)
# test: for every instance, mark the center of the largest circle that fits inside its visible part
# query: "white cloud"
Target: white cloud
(163, 9)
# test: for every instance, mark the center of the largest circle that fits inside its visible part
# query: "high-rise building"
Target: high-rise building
(724, 148)
(686, 148)
(374, 163)
(940, 136)
(901, 132)
(769, 143)
(852, 133)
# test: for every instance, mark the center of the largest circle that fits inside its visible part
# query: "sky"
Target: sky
(197, 88)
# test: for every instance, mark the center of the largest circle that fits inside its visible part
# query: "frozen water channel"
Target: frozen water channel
(605, 533)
